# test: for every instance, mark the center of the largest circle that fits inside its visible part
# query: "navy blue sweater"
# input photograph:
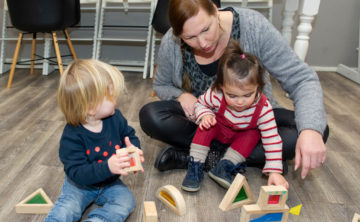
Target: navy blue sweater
(85, 153)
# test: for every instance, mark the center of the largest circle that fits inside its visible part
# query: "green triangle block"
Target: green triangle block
(241, 195)
(37, 199)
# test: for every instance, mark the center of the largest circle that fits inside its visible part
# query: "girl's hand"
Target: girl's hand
(207, 122)
(277, 179)
(187, 101)
(141, 153)
(118, 162)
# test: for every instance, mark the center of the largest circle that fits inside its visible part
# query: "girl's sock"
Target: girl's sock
(199, 152)
(234, 156)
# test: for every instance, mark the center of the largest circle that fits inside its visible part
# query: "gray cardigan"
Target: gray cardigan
(259, 37)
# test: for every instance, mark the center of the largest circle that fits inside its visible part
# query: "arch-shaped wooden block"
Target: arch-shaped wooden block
(172, 198)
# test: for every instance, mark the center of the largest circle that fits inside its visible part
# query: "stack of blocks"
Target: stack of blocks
(271, 202)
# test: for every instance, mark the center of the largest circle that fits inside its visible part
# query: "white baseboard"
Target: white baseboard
(324, 68)
(350, 73)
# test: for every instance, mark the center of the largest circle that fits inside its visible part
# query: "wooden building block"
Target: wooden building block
(150, 212)
(238, 194)
(272, 197)
(133, 152)
(356, 218)
(172, 198)
(36, 203)
(252, 210)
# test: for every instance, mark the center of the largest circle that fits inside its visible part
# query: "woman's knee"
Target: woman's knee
(150, 117)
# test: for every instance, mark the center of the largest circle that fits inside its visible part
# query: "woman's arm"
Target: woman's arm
(303, 86)
(168, 78)
(295, 76)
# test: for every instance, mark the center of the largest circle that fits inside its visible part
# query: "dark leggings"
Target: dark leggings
(166, 121)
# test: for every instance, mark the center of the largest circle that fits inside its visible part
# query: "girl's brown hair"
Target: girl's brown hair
(84, 84)
(239, 68)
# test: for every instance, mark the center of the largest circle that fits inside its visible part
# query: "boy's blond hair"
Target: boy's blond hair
(83, 86)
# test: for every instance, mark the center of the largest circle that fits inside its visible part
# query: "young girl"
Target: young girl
(235, 111)
(94, 131)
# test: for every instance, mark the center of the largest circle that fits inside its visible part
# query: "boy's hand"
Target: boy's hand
(141, 153)
(277, 179)
(207, 122)
(118, 162)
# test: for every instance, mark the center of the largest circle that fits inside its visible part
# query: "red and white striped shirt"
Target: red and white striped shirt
(209, 103)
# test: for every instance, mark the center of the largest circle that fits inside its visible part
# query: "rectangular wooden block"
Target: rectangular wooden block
(356, 218)
(150, 212)
(253, 209)
(133, 152)
(272, 197)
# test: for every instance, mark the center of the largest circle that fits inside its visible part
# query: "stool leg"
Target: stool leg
(152, 91)
(16, 54)
(57, 52)
(33, 45)
(70, 44)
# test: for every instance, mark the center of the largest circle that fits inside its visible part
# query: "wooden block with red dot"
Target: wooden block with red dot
(133, 152)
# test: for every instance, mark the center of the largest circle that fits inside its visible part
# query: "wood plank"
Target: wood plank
(31, 126)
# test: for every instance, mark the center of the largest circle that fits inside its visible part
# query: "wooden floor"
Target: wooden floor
(31, 126)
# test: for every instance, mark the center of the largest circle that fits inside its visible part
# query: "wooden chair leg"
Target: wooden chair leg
(57, 52)
(33, 46)
(70, 44)
(16, 54)
(152, 91)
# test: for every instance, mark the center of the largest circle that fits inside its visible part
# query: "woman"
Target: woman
(187, 65)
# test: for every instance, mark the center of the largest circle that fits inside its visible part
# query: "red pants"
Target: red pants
(243, 141)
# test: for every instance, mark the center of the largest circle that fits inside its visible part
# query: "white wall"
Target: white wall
(335, 34)
(334, 38)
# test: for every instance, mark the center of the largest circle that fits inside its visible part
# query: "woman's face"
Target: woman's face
(202, 32)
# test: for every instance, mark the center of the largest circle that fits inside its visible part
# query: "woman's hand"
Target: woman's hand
(207, 122)
(277, 179)
(310, 151)
(187, 101)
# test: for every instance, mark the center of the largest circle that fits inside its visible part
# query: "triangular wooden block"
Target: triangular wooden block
(238, 194)
(356, 218)
(36, 203)
(172, 198)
